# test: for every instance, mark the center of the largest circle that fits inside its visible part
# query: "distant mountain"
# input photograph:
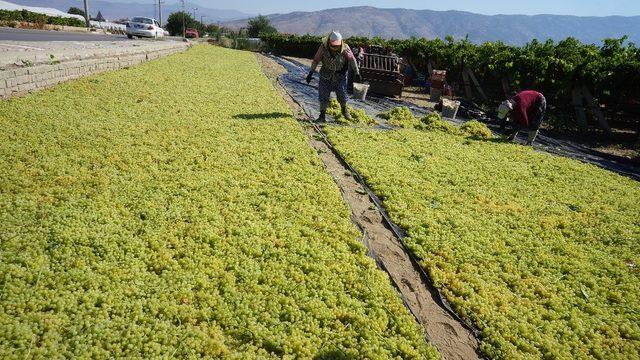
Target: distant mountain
(113, 11)
(404, 23)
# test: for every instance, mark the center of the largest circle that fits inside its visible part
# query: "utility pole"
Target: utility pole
(194, 14)
(86, 13)
(160, 11)
(183, 25)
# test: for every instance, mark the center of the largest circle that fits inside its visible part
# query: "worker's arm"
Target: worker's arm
(353, 64)
(317, 59)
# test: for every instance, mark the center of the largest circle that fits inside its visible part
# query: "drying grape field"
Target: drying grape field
(541, 253)
(175, 209)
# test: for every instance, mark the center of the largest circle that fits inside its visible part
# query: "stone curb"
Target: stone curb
(45, 71)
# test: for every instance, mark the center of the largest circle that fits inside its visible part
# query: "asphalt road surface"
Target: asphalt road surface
(45, 35)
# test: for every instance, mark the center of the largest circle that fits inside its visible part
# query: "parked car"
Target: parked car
(191, 33)
(144, 27)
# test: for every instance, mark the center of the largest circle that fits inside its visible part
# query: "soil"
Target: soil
(449, 336)
(416, 96)
(304, 61)
(622, 143)
(621, 150)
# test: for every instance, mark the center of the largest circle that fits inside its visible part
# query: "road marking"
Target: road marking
(20, 47)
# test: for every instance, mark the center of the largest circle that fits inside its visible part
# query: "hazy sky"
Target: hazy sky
(490, 7)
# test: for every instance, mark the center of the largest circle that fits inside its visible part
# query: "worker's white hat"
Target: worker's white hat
(335, 38)
(504, 109)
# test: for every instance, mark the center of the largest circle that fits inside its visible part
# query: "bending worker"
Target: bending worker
(336, 58)
(526, 111)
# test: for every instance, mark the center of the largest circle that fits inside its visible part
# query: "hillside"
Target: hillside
(115, 10)
(404, 23)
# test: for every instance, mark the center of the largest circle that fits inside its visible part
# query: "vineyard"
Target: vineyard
(609, 72)
(541, 253)
(139, 225)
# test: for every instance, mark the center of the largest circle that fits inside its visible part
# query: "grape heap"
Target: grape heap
(164, 211)
(541, 253)
(400, 116)
(476, 130)
(358, 116)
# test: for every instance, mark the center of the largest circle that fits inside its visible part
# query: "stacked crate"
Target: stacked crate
(438, 78)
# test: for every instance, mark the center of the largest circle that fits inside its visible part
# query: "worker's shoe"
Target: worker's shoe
(322, 117)
(532, 137)
(345, 113)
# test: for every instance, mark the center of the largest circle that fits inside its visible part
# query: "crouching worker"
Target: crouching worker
(336, 58)
(526, 110)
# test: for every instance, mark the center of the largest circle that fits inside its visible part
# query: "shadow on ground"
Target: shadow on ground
(332, 355)
(265, 116)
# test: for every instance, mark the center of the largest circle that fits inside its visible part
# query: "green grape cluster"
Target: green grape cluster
(400, 116)
(475, 129)
(177, 217)
(358, 116)
(434, 122)
(541, 253)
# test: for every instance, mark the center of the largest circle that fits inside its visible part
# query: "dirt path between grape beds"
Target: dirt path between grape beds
(451, 338)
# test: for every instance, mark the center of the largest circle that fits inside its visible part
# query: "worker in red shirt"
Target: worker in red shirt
(526, 110)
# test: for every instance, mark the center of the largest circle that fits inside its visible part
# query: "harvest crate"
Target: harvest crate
(382, 72)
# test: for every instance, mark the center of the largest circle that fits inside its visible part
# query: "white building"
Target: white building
(109, 26)
(4, 5)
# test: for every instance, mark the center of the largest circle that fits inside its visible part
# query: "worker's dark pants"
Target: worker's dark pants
(337, 85)
(535, 124)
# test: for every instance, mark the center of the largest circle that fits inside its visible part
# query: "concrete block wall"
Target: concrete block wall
(16, 81)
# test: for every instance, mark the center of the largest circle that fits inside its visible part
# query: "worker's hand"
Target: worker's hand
(358, 78)
(309, 77)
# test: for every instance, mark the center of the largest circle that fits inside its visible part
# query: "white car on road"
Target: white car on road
(144, 27)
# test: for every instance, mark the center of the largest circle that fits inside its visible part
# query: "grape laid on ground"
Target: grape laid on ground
(541, 253)
(176, 210)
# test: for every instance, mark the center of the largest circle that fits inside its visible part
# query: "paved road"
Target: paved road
(44, 35)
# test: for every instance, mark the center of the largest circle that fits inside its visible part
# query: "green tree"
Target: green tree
(212, 30)
(175, 21)
(259, 26)
(75, 11)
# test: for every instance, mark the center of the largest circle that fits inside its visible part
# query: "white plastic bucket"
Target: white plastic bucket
(450, 108)
(360, 90)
